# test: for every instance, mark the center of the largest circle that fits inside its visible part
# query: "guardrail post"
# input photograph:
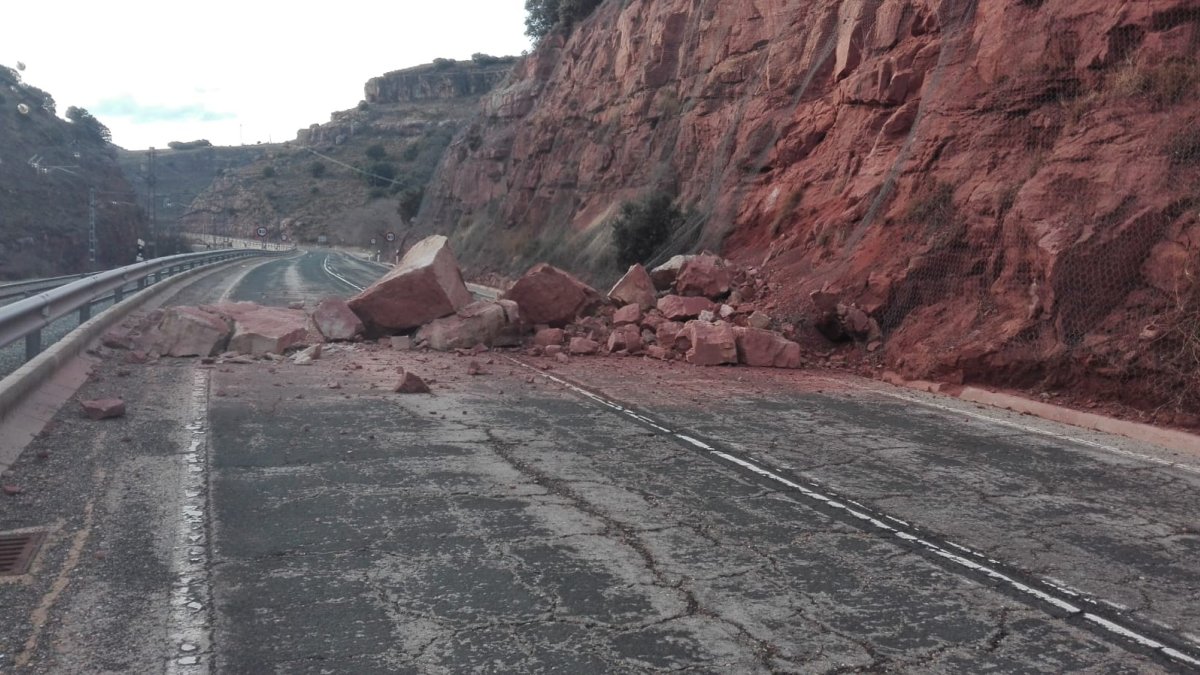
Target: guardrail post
(141, 283)
(85, 312)
(158, 276)
(33, 344)
(119, 294)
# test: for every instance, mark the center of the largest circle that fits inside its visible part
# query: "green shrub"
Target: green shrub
(268, 171)
(411, 152)
(642, 228)
(381, 174)
(316, 169)
(543, 16)
(377, 152)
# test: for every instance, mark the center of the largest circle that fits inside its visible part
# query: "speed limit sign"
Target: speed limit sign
(262, 231)
(390, 236)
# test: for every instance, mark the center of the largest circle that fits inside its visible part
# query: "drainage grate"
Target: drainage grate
(17, 551)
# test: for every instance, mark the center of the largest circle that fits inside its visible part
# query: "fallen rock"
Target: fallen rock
(664, 275)
(104, 408)
(675, 307)
(299, 304)
(117, 339)
(548, 295)
(267, 330)
(477, 324)
(668, 332)
(562, 358)
(411, 384)
(758, 347)
(635, 288)
(336, 320)
(426, 285)
(583, 346)
(758, 320)
(712, 344)
(856, 321)
(628, 314)
(473, 368)
(307, 356)
(549, 336)
(552, 350)
(190, 331)
(657, 352)
(704, 275)
(627, 338)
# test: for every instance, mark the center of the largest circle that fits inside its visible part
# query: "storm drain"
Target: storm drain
(17, 551)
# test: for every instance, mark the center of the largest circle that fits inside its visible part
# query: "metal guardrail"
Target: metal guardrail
(26, 318)
(24, 289)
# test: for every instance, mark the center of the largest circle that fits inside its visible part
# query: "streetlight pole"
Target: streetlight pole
(92, 227)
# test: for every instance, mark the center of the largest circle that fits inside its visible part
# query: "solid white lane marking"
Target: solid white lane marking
(900, 533)
(191, 592)
(335, 275)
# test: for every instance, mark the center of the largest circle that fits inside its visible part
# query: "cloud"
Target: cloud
(128, 107)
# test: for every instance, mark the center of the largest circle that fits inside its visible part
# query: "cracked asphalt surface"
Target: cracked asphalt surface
(507, 523)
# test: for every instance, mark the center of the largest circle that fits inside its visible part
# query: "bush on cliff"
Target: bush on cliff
(643, 227)
(546, 15)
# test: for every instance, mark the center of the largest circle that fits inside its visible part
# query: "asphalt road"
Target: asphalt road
(606, 515)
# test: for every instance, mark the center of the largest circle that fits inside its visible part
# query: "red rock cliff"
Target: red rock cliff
(1010, 187)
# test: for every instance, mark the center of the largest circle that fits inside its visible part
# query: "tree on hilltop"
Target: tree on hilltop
(88, 126)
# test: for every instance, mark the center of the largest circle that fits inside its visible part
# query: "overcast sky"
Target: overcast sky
(236, 71)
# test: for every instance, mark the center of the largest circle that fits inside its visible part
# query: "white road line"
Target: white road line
(902, 531)
(335, 275)
(191, 592)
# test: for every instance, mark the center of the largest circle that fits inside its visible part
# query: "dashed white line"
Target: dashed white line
(903, 531)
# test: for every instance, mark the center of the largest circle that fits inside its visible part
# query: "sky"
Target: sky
(236, 72)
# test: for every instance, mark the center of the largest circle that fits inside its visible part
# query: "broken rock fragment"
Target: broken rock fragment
(549, 336)
(479, 323)
(704, 275)
(336, 320)
(267, 330)
(675, 307)
(635, 288)
(410, 383)
(548, 295)
(104, 408)
(664, 275)
(426, 285)
(627, 338)
(582, 346)
(757, 347)
(190, 331)
(712, 344)
(307, 356)
(627, 314)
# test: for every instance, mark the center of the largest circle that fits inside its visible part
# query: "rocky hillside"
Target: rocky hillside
(358, 176)
(1010, 188)
(47, 166)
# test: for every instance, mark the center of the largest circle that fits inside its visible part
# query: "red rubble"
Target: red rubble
(548, 295)
(104, 408)
(758, 347)
(410, 383)
(712, 344)
(336, 320)
(426, 285)
(627, 314)
(635, 288)
(679, 307)
(704, 275)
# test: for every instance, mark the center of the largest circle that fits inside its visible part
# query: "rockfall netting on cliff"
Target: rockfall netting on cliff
(1010, 188)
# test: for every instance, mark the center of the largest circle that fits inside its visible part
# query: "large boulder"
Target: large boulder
(757, 347)
(548, 295)
(712, 344)
(704, 275)
(191, 331)
(676, 307)
(479, 323)
(268, 330)
(635, 288)
(336, 320)
(664, 275)
(626, 338)
(426, 285)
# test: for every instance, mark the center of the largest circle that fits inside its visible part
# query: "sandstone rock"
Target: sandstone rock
(267, 330)
(676, 307)
(306, 357)
(649, 337)
(856, 321)
(707, 315)
(583, 346)
(664, 275)
(299, 304)
(190, 331)
(562, 358)
(657, 352)
(477, 324)
(410, 383)
(551, 296)
(635, 288)
(758, 320)
(473, 368)
(726, 311)
(653, 319)
(628, 314)
(552, 350)
(627, 338)
(549, 336)
(704, 275)
(668, 332)
(757, 347)
(426, 285)
(336, 320)
(118, 339)
(711, 344)
(103, 408)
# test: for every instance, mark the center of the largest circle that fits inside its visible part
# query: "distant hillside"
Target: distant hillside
(354, 178)
(47, 166)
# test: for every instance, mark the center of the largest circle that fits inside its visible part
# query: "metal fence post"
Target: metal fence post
(85, 312)
(33, 344)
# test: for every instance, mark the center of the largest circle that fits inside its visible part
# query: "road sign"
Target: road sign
(390, 236)
(372, 241)
(262, 231)
(283, 237)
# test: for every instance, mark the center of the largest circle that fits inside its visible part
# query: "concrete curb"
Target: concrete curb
(21, 382)
(1167, 438)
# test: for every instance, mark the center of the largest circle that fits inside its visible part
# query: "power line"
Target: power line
(340, 163)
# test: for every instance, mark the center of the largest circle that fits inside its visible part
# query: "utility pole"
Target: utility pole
(92, 227)
(151, 179)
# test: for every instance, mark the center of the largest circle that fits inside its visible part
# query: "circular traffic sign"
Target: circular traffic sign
(372, 241)
(283, 237)
(390, 236)
(262, 231)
